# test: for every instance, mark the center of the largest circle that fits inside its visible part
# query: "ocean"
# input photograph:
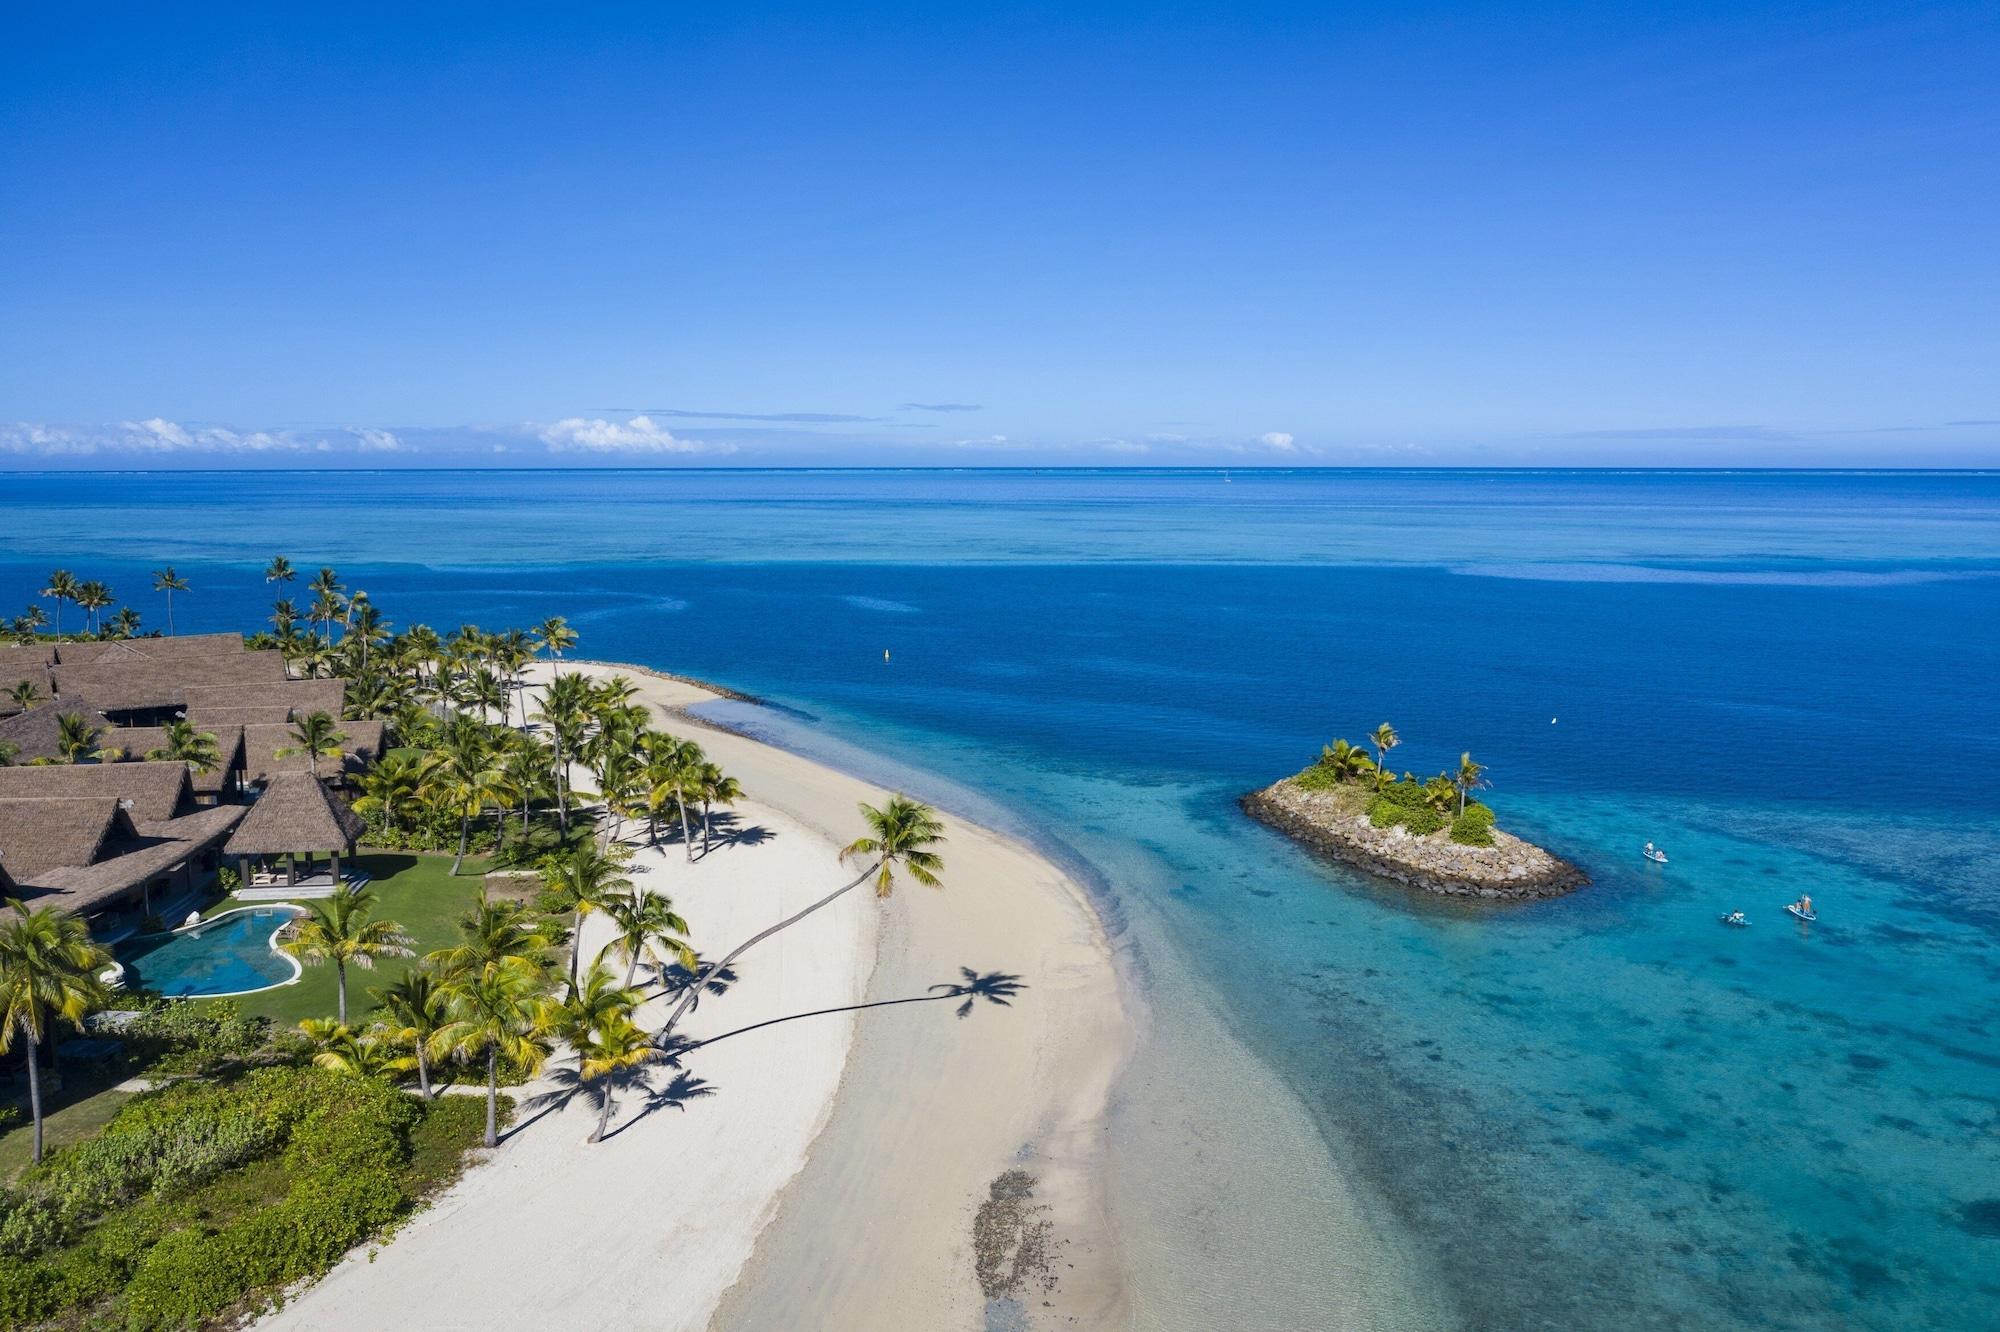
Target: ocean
(1603, 1111)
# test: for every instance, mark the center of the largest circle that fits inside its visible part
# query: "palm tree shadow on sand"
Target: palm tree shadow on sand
(994, 987)
(565, 1084)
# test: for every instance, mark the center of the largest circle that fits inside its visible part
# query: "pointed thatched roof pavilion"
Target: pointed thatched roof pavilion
(296, 816)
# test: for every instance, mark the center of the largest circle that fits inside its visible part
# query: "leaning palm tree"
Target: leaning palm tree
(609, 1055)
(415, 1010)
(48, 970)
(76, 737)
(901, 836)
(317, 736)
(583, 880)
(1384, 738)
(646, 924)
(197, 749)
(340, 930)
(493, 1012)
(62, 587)
(167, 581)
(1469, 777)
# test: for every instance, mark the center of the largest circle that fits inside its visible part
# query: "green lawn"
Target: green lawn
(85, 1104)
(412, 889)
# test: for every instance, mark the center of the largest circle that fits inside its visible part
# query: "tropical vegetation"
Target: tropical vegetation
(1420, 806)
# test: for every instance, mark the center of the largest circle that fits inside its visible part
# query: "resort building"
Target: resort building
(89, 824)
(114, 842)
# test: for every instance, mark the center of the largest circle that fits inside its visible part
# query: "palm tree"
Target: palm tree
(62, 587)
(565, 711)
(1469, 777)
(492, 1015)
(673, 772)
(716, 788)
(93, 596)
(167, 581)
(48, 969)
(390, 787)
(317, 736)
(1384, 738)
(125, 624)
(76, 737)
(610, 1054)
(327, 604)
(584, 880)
(901, 836)
(197, 749)
(460, 775)
(284, 615)
(279, 570)
(25, 694)
(1346, 761)
(340, 1049)
(554, 636)
(494, 934)
(647, 924)
(416, 1010)
(339, 930)
(526, 770)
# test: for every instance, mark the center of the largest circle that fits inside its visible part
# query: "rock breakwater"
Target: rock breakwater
(1330, 821)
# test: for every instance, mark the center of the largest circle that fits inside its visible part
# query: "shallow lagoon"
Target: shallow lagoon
(1603, 1111)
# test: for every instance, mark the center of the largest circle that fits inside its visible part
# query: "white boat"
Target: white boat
(1654, 854)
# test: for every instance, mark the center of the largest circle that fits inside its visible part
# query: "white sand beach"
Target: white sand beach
(828, 1172)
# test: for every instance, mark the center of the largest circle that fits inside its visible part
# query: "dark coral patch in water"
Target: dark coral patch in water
(1867, 1061)
(1981, 1218)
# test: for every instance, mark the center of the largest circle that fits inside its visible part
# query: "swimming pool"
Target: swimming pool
(231, 954)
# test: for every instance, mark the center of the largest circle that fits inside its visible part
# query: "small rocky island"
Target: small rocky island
(1428, 834)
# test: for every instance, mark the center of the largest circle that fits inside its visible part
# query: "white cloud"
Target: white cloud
(1279, 440)
(375, 440)
(641, 434)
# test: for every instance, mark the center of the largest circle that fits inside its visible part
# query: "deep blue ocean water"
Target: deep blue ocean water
(1606, 1111)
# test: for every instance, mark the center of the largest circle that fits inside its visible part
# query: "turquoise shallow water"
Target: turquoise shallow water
(1603, 1111)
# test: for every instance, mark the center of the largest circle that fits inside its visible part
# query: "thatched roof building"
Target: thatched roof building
(298, 697)
(180, 647)
(296, 814)
(88, 854)
(225, 777)
(36, 732)
(141, 684)
(153, 791)
(361, 748)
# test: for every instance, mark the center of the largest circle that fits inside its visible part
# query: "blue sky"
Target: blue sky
(1754, 234)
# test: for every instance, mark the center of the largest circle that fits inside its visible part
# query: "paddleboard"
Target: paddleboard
(1802, 915)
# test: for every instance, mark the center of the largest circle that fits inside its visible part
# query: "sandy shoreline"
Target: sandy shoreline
(833, 1177)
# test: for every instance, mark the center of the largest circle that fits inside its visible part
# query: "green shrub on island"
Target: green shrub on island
(1474, 827)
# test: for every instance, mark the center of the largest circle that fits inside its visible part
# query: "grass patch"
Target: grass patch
(85, 1104)
(416, 891)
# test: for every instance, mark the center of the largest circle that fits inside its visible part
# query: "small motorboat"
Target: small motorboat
(1654, 854)
(1801, 913)
(1737, 919)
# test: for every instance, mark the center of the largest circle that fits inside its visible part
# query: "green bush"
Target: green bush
(1474, 827)
(1409, 795)
(1385, 813)
(1318, 778)
(174, 1036)
(1423, 821)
